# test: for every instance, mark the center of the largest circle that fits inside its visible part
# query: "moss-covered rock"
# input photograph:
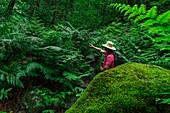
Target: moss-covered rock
(128, 88)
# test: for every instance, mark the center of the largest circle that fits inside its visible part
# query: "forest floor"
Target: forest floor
(13, 104)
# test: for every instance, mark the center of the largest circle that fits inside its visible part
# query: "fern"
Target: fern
(122, 7)
(142, 9)
(163, 47)
(148, 23)
(140, 17)
(152, 13)
(156, 30)
(125, 8)
(164, 18)
(70, 76)
(118, 6)
(11, 79)
(4, 93)
(128, 11)
(164, 38)
(33, 66)
(135, 7)
(54, 48)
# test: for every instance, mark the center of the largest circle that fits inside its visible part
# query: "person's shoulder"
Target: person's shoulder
(110, 55)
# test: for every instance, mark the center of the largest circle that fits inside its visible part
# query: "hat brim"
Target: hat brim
(112, 48)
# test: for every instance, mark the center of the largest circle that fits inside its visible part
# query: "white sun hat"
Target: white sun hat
(109, 45)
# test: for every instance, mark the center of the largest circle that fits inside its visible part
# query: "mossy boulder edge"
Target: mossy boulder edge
(128, 88)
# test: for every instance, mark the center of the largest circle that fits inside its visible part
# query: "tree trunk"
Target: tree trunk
(10, 7)
(54, 18)
(55, 13)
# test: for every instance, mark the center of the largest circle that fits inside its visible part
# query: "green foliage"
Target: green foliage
(4, 93)
(163, 98)
(164, 18)
(38, 47)
(157, 26)
(35, 55)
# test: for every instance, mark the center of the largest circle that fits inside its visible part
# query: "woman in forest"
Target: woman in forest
(109, 57)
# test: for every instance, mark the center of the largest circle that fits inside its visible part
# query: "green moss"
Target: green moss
(128, 88)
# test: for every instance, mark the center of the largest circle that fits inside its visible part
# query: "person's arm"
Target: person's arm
(97, 48)
(104, 68)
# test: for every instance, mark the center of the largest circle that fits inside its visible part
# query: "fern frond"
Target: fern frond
(33, 66)
(20, 74)
(163, 47)
(118, 5)
(11, 79)
(164, 18)
(139, 18)
(113, 5)
(156, 29)
(148, 23)
(70, 76)
(164, 38)
(133, 14)
(142, 9)
(120, 8)
(133, 10)
(2, 77)
(152, 12)
(3, 72)
(54, 48)
(128, 11)
(135, 7)
(125, 8)
(167, 28)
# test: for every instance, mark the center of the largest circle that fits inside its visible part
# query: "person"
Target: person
(109, 57)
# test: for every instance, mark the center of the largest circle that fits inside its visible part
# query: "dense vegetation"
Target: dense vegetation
(44, 45)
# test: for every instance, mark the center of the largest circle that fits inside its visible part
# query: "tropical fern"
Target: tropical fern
(164, 18)
(142, 9)
(135, 12)
(152, 13)
(125, 8)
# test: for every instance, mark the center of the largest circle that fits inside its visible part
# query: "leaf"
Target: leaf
(55, 48)
(125, 8)
(152, 12)
(140, 17)
(70, 76)
(39, 105)
(165, 101)
(156, 29)
(164, 38)
(2, 77)
(119, 5)
(163, 47)
(113, 5)
(128, 11)
(133, 14)
(142, 9)
(135, 8)
(148, 23)
(164, 18)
